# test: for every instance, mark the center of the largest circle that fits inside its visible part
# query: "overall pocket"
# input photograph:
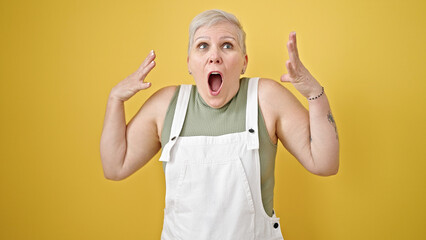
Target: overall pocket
(214, 201)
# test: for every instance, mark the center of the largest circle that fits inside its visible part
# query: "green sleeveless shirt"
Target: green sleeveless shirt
(203, 120)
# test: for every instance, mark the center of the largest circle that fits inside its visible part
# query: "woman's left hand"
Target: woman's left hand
(297, 74)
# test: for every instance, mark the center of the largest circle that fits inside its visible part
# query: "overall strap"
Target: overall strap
(252, 114)
(178, 119)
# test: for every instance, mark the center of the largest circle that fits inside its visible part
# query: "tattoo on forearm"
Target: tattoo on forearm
(332, 122)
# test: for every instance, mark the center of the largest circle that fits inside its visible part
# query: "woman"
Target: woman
(219, 137)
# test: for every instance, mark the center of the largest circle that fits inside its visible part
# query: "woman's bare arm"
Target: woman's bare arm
(311, 136)
(126, 148)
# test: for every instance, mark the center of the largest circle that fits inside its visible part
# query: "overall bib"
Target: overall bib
(213, 182)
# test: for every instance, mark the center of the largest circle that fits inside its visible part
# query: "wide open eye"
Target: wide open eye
(202, 45)
(227, 46)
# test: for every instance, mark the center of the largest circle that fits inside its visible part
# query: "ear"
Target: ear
(187, 63)
(245, 61)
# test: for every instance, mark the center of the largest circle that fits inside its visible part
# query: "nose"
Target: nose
(215, 57)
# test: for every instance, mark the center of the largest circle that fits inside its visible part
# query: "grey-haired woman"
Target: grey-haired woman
(219, 137)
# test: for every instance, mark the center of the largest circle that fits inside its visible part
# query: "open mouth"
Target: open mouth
(215, 83)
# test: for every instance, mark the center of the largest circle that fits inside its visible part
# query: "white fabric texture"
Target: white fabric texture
(213, 182)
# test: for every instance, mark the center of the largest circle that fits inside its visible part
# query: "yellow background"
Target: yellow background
(59, 60)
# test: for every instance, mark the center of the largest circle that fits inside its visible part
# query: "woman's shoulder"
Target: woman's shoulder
(269, 83)
(167, 91)
(275, 97)
(269, 88)
(156, 105)
(163, 96)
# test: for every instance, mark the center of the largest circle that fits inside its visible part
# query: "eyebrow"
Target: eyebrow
(224, 37)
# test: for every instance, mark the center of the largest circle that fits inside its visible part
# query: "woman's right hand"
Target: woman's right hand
(135, 82)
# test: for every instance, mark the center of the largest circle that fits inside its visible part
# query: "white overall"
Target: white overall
(213, 182)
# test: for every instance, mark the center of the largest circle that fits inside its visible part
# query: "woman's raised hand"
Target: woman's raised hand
(136, 81)
(297, 74)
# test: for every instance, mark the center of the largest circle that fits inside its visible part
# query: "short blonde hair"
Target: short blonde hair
(211, 17)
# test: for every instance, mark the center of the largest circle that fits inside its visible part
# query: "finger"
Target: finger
(151, 56)
(290, 69)
(286, 78)
(145, 85)
(292, 53)
(293, 38)
(142, 75)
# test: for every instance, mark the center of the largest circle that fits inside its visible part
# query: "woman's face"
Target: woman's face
(216, 61)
